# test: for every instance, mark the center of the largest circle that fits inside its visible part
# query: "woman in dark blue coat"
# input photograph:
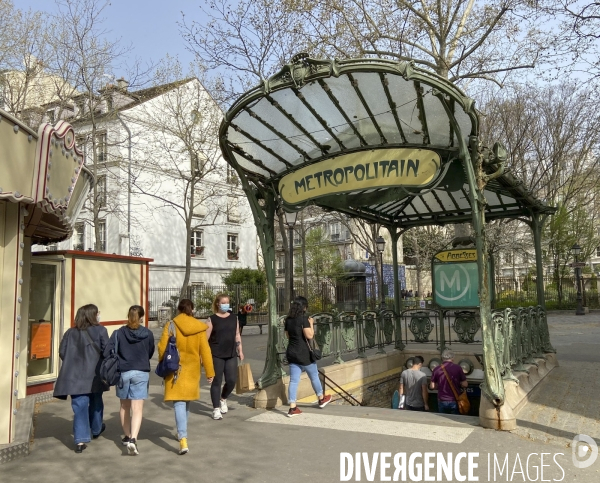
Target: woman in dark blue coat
(80, 351)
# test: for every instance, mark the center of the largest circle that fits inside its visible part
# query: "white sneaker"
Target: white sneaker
(224, 407)
(217, 414)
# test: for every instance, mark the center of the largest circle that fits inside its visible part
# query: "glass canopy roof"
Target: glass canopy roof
(318, 110)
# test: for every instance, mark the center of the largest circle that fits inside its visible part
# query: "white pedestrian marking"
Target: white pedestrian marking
(429, 432)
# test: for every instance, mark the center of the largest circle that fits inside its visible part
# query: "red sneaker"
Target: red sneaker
(293, 412)
(324, 401)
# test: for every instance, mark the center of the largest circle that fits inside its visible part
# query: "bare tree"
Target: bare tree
(178, 163)
(553, 139)
(420, 244)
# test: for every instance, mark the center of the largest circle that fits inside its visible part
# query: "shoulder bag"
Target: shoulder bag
(110, 372)
(315, 354)
(464, 406)
(169, 364)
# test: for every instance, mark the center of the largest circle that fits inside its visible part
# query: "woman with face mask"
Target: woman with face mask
(226, 346)
(80, 351)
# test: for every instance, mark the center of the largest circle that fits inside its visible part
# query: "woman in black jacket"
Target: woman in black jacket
(135, 348)
(80, 351)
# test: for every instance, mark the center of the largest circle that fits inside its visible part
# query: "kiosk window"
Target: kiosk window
(42, 323)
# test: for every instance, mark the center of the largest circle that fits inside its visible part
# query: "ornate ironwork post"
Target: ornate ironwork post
(493, 386)
(263, 205)
(398, 302)
(537, 224)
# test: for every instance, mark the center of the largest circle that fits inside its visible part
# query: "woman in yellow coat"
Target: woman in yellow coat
(194, 350)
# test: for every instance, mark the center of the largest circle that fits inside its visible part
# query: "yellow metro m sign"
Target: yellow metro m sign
(379, 168)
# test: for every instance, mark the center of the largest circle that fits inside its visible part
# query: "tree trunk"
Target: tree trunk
(303, 241)
(288, 258)
(188, 252)
(418, 264)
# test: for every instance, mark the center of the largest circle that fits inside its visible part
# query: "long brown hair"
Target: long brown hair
(136, 312)
(186, 306)
(217, 301)
(86, 316)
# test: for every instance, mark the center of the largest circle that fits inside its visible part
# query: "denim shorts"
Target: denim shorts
(133, 385)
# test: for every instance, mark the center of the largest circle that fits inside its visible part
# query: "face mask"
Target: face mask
(98, 318)
(224, 307)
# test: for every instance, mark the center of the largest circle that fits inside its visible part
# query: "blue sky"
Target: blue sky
(150, 26)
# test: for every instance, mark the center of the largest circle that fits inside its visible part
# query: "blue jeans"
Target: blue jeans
(448, 407)
(182, 409)
(88, 412)
(313, 375)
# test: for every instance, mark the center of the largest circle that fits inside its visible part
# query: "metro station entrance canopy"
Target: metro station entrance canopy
(378, 140)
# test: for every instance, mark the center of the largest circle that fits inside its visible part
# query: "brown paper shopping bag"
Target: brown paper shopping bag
(245, 381)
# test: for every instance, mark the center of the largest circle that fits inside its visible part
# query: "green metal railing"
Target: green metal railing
(520, 336)
(342, 333)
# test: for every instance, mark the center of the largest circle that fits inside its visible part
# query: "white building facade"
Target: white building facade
(153, 148)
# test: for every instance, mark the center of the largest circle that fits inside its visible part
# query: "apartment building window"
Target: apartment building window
(81, 143)
(598, 251)
(297, 263)
(233, 214)
(101, 191)
(281, 264)
(79, 236)
(233, 249)
(335, 231)
(197, 243)
(199, 207)
(232, 177)
(102, 233)
(101, 147)
(198, 162)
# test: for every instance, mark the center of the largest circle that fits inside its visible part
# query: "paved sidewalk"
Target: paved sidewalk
(251, 445)
(567, 401)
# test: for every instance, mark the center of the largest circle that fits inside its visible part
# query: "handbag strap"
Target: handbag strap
(92, 341)
(172, 331)
(449, 382)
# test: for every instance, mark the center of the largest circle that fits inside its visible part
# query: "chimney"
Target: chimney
(122, 84)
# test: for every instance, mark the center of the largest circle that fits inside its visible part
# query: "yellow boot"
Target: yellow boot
(183, 447)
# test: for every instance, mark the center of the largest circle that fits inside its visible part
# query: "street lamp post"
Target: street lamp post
(576, 249)
(290, 220)
(380, 247)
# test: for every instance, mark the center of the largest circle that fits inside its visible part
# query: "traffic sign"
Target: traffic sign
(577, 264)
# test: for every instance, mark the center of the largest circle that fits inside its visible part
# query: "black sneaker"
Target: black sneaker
(125, 440)
(132, 448)
(80, 447)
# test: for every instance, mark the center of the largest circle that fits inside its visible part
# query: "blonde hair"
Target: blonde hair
(217, 301)
(136, 312)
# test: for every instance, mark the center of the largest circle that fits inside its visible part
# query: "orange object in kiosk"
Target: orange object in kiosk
(41, 340)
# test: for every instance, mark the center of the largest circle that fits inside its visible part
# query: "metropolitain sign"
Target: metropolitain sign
(380, 168)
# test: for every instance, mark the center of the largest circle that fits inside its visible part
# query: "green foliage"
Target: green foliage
(203, 302)
(323, 260)
(565, 228)
(253, 285)
(245, 276)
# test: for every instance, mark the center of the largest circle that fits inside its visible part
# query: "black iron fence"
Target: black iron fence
(322, 297)
(559, 293)
(360, 296)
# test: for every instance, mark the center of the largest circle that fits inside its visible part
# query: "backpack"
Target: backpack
(169, 364)
(110, 372)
